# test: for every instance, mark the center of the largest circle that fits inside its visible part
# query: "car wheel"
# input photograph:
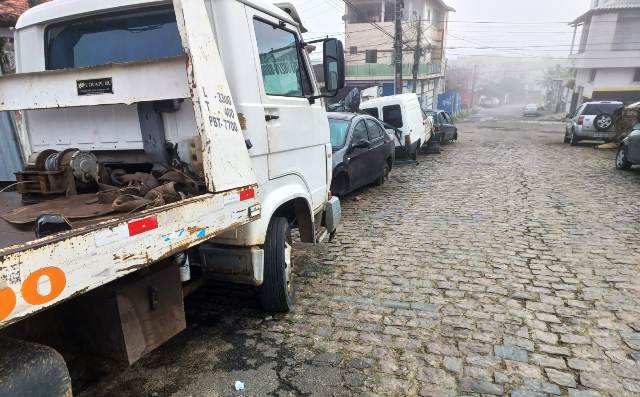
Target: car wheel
(414, 154)
(340, 184)
(573, 141)
(621, 159)
(603, 122)
(384, 175)
(276, 292)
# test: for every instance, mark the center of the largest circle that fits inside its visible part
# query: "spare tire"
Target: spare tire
(603, 122)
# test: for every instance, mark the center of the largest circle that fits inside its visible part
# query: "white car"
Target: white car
(404, 113)
(592, 120)
(531, 110)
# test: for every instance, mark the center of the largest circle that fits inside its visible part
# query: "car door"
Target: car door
(449, 127)
(633, 147)
(297, 131)
(377, 152)
(358, 157)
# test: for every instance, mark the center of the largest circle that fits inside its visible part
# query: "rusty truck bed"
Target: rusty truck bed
(10, 234)
(37, 273)
(14, 234)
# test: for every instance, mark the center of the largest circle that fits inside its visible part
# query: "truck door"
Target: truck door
(297, 131)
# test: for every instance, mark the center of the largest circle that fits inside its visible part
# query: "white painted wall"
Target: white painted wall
(606, 80)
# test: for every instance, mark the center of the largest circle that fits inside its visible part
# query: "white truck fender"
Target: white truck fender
(284, 191)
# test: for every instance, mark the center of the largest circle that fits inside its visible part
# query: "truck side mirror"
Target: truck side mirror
(334, 68)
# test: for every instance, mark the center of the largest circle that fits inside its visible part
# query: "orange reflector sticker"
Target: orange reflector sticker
(57, 282)
(7, 302)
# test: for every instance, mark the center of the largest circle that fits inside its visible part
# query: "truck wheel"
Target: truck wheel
(621, 159)
(276, 292)
(29, 369)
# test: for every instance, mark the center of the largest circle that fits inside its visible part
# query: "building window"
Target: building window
(636, 75)
(592, 76)
(429, 15)
(584, 38)
(353, 50)
(371, 56)
(625, 37)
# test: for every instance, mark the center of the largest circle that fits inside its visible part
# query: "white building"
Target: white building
(607, 55)
(369, 48)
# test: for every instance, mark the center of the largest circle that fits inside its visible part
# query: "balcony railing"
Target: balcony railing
(379, 70)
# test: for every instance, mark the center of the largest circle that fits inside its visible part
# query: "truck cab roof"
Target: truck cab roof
(61, 9)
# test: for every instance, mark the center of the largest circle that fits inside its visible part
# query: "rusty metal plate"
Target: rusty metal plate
(83, 206)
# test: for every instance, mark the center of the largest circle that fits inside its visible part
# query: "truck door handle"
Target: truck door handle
(270, 117)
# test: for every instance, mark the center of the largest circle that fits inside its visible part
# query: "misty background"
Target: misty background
(498, 28)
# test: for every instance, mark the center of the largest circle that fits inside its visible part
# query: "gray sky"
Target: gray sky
(521, 28)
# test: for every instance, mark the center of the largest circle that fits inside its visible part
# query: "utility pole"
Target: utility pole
(417, 54)
(473, 85)
(398, 46)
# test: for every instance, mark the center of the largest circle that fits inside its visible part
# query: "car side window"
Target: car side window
(359, 132)
(280, 61)
(372, 112)
(392, 114)
(447, 117)
(375, 132)
(441, 119)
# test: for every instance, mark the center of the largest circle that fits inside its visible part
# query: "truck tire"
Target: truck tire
(29, 369)
(276, 292)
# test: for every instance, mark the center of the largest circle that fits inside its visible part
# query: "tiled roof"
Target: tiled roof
(10, 10)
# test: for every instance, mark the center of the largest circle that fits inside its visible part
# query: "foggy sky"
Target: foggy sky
(524, 28)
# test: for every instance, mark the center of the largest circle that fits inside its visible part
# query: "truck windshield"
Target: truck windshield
(115, 38)
(339, 129)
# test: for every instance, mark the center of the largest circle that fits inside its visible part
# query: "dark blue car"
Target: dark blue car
(363, 152)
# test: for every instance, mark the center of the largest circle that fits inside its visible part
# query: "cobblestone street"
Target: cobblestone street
(505, 266)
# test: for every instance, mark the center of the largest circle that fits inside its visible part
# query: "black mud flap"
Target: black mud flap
(29, 369)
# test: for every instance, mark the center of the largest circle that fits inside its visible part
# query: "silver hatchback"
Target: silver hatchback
(592, 120)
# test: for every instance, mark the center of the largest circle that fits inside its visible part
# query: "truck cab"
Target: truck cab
(272, 84)
(221, 90)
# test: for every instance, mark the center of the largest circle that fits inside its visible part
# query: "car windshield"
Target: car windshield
(134, 36)
(599, 108)
(339, 129)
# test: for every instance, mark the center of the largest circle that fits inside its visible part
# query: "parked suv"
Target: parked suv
(592, 120)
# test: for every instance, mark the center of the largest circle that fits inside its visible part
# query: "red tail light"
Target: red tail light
(581, 120)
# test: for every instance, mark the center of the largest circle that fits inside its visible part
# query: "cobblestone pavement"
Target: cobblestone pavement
(506, 266)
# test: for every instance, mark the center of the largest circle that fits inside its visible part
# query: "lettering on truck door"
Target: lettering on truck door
(297, 131)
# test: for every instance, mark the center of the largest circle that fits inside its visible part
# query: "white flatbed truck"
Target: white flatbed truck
(241, 86)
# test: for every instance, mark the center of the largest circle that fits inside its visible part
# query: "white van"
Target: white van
(402, 112)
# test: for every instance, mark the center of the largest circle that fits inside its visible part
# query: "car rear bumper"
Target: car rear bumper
(595, 134)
